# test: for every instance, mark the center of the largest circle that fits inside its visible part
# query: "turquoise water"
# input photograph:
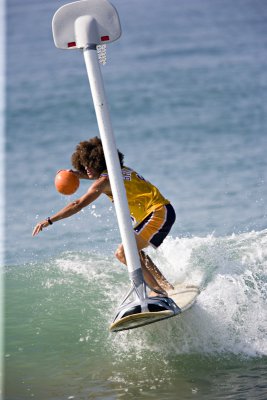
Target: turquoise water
(186, 84)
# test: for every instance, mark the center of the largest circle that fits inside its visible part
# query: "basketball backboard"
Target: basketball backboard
(84, 22)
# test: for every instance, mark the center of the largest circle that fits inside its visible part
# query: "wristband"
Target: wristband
(49, 221)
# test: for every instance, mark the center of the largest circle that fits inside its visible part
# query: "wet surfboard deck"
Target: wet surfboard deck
(184, 295)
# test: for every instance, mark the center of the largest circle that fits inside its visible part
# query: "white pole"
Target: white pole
(112, 159)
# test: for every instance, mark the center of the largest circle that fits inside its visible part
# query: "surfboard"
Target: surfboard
(183, 295)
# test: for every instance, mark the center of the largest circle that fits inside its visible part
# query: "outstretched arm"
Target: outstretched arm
(98, 187)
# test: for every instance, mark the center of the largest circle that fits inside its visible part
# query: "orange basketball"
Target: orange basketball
(66, 182)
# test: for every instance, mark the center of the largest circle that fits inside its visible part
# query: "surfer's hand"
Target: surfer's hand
(39, 227)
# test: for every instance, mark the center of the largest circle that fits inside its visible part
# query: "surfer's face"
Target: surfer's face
(91, 172)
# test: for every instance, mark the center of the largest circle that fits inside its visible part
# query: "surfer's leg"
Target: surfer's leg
(148, 267)
(149, 278)
(147, 264)
(152, 231)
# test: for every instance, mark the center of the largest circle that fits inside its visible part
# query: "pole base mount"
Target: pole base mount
(136, 314)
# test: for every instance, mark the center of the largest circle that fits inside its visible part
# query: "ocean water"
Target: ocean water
(187, 85)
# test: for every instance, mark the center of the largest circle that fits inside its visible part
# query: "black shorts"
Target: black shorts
(156, 226)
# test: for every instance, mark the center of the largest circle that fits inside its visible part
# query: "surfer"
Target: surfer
(152, 214)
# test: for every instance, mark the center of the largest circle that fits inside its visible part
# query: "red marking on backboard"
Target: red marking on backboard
(71, 44)
(104, 38)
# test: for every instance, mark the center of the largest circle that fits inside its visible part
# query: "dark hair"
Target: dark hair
(90, 153)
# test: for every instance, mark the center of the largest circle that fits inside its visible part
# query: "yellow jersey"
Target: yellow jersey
(142, 196)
